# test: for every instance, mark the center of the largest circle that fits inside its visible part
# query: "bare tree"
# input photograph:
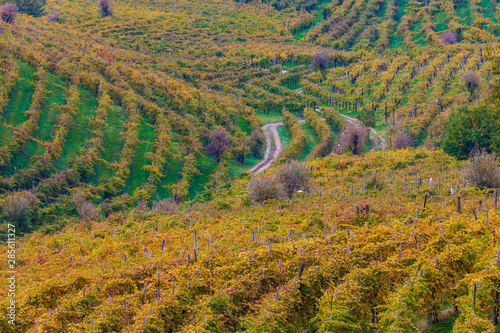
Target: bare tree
(84, 208)
(164, 206)
(263, 188)
(472, 83)
(19, 207)
(449, 38)
(8, 13)
(105, 7)
(219, 143)
(353, 139)
(321, 61)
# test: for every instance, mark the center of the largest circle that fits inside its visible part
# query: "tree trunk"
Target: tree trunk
(495, 310)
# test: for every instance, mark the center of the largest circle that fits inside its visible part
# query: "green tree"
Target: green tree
(471, 128)
(31, 7)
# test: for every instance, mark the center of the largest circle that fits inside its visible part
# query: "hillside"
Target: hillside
(167, 94)
(370, 253)
(131, 141)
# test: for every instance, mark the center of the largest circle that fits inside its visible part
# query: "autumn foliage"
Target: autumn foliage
(127, 129)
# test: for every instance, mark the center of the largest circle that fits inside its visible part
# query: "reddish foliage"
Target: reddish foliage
(109, 56)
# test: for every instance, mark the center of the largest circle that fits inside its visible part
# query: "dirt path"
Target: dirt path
(272, 150)
(273, 146)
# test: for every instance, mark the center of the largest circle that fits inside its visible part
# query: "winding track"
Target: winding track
(269, 129)
(273, 151)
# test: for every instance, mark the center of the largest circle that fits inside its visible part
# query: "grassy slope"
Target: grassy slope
(78, 134)
(172, 172)
(113, 144)
(269, 118)
(207, 166)
(138, 175)
(285, 136)
(20, 102)
(311, 139)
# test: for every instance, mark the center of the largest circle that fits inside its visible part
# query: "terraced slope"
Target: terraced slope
(175, 71)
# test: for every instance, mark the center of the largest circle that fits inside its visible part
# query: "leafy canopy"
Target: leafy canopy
(471, 128)
(31, 7)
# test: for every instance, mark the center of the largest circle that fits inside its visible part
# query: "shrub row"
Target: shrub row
(26, 130)
(158, 156)
(130, 137)
(84, 164)
(11, 76)
(54, 148)
(298, 142)
(324, 133)
(333, 118)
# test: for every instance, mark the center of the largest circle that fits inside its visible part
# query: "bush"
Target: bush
(483, 170)
(85, 209)
(290, 178)
(294, 176)
(263, 188)
(403, 140)
(19, 208)
(164, 206)
(54, 16)
(469, 129)
(8, 13)
(352, 139)
(31, 7)
(298, 142)
(257, 143)
(105, 7)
